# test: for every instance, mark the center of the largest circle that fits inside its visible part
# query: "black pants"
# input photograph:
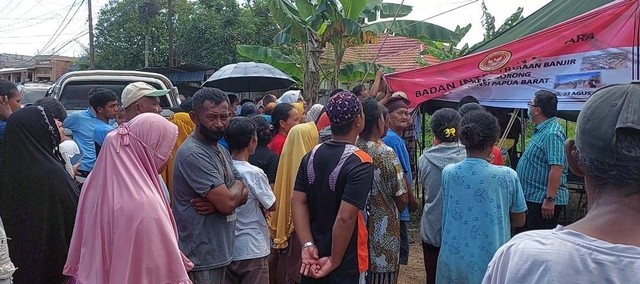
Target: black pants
(536, 222)
(404, 243)
(430, 254)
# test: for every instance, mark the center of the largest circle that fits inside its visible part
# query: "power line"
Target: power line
(9, 3)
(60, 27)
(31, 36)
(11, 28)
(16, 6)
(28, 10)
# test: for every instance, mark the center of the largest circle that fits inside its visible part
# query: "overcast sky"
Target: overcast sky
(27, 26)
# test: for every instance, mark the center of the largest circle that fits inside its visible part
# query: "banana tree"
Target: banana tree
(352, 72)
(313, 24)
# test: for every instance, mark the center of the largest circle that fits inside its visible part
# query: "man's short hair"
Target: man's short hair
(547, 102)
(358, 89)
(269, 99)
(232, 99)
(239, 133)
(7, 88)
(100, 97)
(214, 95)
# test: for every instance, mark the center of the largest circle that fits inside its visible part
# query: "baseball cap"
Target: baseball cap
(343, 108)
(138, 90)
(607, 111)
(401, 94)
(185, 106)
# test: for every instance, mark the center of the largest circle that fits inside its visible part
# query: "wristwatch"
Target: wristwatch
(550, 199)
(307, 244)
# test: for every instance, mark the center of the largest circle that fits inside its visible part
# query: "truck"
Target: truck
(72, 89)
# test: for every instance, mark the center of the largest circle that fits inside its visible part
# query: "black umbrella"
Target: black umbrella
(249, 77)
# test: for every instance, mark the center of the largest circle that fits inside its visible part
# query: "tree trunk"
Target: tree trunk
(146, 49)
(338, 55)
(312, 70)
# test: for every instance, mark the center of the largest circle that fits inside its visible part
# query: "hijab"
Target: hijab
(299, 107)
(300, 140)
(38, 199)
(125, 232)
(314, 112)
(289, 97)
(185, 128)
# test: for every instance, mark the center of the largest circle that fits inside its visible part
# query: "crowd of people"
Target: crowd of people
(275, 191)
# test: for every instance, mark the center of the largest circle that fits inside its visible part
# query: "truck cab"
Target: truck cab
(72, 89)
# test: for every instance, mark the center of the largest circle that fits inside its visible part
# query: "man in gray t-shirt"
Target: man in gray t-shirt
(207, 189)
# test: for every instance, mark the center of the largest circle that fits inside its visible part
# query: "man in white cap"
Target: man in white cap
(140, 97)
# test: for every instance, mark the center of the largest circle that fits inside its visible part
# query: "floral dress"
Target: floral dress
(383, 223)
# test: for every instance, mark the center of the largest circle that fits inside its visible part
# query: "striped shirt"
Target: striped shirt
(545, 149)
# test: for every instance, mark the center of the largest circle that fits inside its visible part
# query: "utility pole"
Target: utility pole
(170, 29)
(92, 59)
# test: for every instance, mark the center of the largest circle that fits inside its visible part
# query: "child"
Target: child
(252, 243)
(445, 125)
(481, 203)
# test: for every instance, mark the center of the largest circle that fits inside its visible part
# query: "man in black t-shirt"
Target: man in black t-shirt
(330, 195)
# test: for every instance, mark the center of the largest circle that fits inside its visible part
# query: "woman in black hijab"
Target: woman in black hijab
(38, 199)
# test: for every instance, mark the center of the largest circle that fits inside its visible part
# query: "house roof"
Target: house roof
(399, 53)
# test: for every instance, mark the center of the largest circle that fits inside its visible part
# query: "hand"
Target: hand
(203, 206)
(379, 73)
(413, 204)
(5, 109)
(75, 169)
(547, 209)
(309, 257)
(325, 266)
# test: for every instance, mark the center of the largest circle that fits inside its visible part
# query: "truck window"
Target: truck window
(75, 94)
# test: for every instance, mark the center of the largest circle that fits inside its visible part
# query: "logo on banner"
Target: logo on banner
(495, 61)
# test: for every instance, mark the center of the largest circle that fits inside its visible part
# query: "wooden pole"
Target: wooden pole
(92, 59)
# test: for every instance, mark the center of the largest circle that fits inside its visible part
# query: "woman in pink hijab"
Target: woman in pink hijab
(124, 230)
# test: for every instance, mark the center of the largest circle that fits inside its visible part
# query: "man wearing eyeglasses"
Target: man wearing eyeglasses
(542, 167)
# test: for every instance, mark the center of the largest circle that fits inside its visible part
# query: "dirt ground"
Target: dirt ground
(414, 271)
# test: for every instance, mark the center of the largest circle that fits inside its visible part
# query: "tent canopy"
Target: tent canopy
(572, 59)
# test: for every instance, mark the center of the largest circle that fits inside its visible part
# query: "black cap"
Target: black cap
(185, 106)
(609, 109)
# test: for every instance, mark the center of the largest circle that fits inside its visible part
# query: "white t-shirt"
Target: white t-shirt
(252, 235)
(563, 256)
(68, 149)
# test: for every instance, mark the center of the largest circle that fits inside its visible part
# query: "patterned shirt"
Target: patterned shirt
(545, 149)
(478, 199)
(383, 223)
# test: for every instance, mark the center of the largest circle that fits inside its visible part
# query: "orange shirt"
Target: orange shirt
(323, 121)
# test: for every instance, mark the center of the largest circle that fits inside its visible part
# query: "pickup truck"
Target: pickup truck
(72, 88)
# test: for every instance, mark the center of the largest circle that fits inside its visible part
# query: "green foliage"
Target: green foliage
(488, 23)
(415, 29)
(270, 56)
(206, 31)
(355, 72)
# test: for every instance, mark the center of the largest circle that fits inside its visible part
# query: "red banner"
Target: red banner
(571, 59)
